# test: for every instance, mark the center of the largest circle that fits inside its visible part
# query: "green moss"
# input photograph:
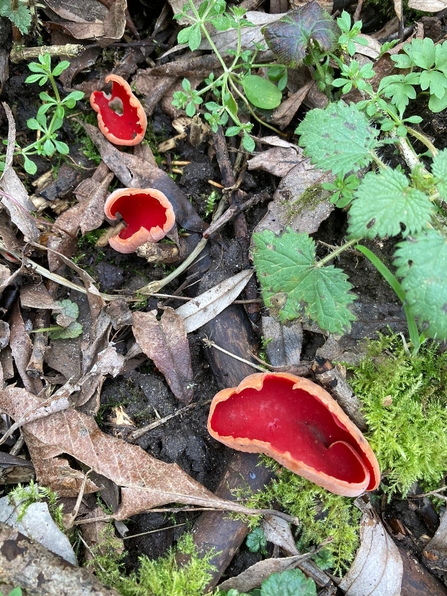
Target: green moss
(158, 577)
(322, 515)
(405, 399)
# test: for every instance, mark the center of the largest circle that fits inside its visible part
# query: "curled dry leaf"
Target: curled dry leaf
(145, 481)
(166, 344)
(208, 305)
(377, 568)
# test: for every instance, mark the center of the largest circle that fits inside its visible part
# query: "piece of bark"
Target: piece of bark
(417, 579)
(26, 563)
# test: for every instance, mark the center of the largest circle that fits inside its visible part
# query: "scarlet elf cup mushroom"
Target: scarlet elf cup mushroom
(297, 423)
(121, 117)
(148, 215)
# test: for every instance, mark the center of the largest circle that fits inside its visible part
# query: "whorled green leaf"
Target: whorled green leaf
(261, 92)
(386, 205)
(439, 170)
(294, 285)
(338, 138)
(421, 262)
(289, 37)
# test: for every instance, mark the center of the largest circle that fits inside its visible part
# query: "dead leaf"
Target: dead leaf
(145, 481)
(284, 113)
(428, 5)
(92, 193)
(277, 530)
(37, 296)
(166, 344)
(257, 573)
(295, 204)
(208, 305)
(377, 569)
(277, 161)
(283, 342)
(21, 348)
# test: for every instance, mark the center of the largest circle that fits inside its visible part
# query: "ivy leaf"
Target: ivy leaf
(288, 583)
(439, 170)
(386, 201)
(338, 138)
(295, 285)
(261, 92)
(290, 37)
(421, 262)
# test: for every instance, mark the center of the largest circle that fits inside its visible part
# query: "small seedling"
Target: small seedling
(50, 115)
(236, 86)
(67, 327)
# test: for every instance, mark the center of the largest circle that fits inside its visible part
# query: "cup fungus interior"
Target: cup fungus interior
(292, 420)
(141, 210)
(122, 115)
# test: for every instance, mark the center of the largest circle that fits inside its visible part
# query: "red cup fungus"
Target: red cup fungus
(146, 211)
(121, 117)
(297, 423)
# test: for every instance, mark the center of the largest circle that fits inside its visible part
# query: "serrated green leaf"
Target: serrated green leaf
(439, 170)
(421, 262)
(384, 203)
(20, 16)
(289, 37)
(261, 92)
(294, 285)
(288, 583)
(338, 138)
(70, 332)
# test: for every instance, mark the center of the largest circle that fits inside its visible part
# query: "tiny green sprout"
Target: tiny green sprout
(50, 115)
(14, 592)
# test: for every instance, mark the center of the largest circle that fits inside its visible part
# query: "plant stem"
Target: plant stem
(336, 252)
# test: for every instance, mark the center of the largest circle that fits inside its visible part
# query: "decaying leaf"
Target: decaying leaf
(283, 342)
(377, 568)
(277, 530)
(165, 343)
(208, 305)
(145, 481)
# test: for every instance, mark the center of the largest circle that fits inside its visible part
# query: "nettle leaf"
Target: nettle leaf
(421, 262)
(261, 92)
(289, 37)
(338, 138)
(294, 285)
(384, 203)
(289, 583)
(439, 170)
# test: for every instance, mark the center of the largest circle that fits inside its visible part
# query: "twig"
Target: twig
(210, 344)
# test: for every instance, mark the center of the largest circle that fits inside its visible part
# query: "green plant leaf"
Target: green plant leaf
(295, 285)
(261, 92)
(59, 68)
(20, 16)
(338, 138)
(69, 308)
(73, 330)
(289, 583)
(384, 203)
(437, 104)
(421, 262)
(290, 37)
(256, 541)
(29, 165)
(439, 170)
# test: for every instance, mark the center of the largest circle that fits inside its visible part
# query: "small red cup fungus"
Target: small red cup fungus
(146, 211)
(121, 117)
(297, 423)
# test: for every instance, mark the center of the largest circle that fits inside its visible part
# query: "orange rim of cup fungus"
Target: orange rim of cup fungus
(121, 117)
(148, 215)
(297, 423)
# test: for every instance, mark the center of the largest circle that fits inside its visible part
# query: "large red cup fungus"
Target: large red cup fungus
(297, 423)
(146, 211)
(121, 117)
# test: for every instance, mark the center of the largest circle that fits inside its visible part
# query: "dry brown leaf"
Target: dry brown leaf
(277, 161)
(292, 208)
(283, 342)
(166, 344)
(277, 531)
(377, 569)
(257, 573)
(283, 114)
(21, 348)
(145, 481)
(198, 311)
(427, 5)
(92, 193)
(37, 296)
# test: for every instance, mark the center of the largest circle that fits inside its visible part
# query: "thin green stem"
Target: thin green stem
(336, 252)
